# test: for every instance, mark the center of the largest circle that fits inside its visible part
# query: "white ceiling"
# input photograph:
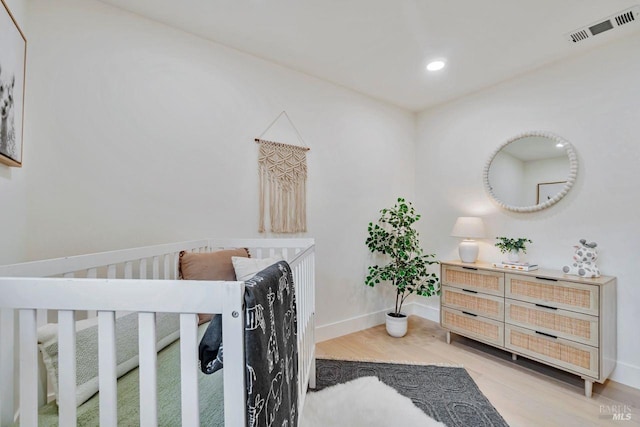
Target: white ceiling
(380, 47)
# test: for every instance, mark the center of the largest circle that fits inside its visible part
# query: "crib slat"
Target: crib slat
(156, 268)
(148, 366)
(309, 334)
(7, 363)
(92, 273)
(143, 269)
(67, 367)
(28, 368)
(166, 264)
(111, 271)
(128, 270)
(234, 366)
(107, 369)
(189, 370)
(176, 265)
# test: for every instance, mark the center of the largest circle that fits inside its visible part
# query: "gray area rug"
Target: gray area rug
(446, 394)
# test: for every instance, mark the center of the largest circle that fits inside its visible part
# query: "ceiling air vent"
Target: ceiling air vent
(619, 19)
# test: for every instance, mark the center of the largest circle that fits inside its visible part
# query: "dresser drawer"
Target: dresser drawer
(578, 297)
(579, 358)
(573, 326)
(487, 282)
(476, 327)
(473, 302)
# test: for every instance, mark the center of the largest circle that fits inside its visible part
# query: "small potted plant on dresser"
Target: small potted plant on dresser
(512, 247)
(394, 237)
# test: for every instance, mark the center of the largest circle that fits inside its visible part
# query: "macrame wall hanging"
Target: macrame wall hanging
(282, 169)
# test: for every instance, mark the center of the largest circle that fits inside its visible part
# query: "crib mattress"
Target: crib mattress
(210, 388)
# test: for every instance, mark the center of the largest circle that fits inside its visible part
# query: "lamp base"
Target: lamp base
(468, 250)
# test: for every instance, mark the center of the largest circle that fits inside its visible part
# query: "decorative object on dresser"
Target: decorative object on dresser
(567, 322)
(468, 228)
(531, 171)
(509, 265)
(512, 247)
(408, 270)
(584, 260)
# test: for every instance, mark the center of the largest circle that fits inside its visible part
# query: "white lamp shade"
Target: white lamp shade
(468, 227)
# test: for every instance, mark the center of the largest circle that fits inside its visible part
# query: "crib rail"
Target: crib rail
(72, 264)
(106, 297)
(109, 282)
(303, 271)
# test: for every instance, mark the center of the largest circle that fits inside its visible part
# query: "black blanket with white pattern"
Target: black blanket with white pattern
(271, 349)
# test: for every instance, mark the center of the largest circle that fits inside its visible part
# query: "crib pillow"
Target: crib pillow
(209, 266)
(167, 331)
(246, 268)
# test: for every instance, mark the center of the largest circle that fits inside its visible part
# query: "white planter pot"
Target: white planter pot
(397, 326)
(514, 256)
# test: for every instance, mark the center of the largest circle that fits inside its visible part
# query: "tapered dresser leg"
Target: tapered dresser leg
(514, 356)
(588, 388)
(448, 337)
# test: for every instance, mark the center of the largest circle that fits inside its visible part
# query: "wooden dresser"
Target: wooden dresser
(564, 321)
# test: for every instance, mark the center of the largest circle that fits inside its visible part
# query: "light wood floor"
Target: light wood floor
(525, 393)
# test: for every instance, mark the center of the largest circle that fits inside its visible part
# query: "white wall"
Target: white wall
(593, 102)
(13, 201)
(143, 134)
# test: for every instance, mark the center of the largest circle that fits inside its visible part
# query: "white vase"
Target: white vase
(514, 256)
(396, 326)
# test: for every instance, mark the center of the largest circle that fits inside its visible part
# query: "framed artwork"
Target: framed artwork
(13, 55)
(547, 190)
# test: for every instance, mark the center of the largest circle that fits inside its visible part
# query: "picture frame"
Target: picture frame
(13, 57)
(548, 190)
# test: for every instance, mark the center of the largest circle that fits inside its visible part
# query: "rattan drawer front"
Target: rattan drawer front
(473, 302)
(571, 296)
(488, 282)
(569, 355)
(476, 327)
(578, 327)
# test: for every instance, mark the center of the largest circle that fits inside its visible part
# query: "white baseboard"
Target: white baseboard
(425, 311)
(349, 326)
(359, 323)
(627, 374)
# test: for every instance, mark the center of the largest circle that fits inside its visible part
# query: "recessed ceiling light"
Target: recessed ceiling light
(560, 145)
(435, 65)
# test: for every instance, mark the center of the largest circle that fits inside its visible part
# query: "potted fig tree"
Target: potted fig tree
(394, 237)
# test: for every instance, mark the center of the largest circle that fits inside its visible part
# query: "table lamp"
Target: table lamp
(468, 228)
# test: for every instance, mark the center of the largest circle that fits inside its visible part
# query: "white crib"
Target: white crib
(103, 283)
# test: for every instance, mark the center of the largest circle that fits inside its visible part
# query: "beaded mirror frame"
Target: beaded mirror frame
(571, 178)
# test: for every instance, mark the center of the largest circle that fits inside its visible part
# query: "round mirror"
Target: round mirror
(531, 171)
